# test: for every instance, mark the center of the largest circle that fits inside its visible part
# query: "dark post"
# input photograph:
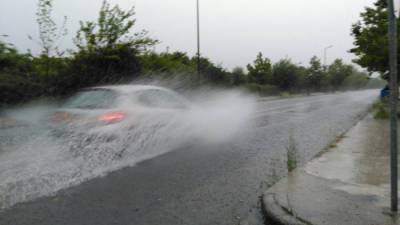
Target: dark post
(393, 104)
(198, 41)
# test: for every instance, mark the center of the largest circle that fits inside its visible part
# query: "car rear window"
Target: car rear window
(92, 99)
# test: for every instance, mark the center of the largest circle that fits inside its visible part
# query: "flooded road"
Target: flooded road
(203, 182)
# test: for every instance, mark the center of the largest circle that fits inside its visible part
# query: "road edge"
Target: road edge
(275, 214)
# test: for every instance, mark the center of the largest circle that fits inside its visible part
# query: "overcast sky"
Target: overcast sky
(232, 31)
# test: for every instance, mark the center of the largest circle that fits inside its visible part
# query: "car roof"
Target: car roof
(127, 88)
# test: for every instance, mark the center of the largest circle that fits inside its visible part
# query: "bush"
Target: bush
(102, 66)
(262, 90)
(15, 88)
(380, 109)
(285, 74)
(166, 63)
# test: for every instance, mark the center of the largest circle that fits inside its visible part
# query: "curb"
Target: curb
(276, 214)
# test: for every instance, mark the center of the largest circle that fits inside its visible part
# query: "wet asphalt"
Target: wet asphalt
(205, 184)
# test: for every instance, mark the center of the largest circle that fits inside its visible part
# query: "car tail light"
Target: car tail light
(112, 117)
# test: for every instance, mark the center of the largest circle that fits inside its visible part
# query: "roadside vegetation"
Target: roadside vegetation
(111, 50)
(291, 154)
(380, 109)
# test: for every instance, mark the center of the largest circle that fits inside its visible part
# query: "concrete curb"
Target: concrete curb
(275, 213)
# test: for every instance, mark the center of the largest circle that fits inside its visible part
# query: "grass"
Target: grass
(334, 143)
(292, 213)
(291, 153)
(380, 109)
(285, 94)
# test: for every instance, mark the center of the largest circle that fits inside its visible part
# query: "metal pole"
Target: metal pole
(393, 105)
(325, 51)
(198, 41)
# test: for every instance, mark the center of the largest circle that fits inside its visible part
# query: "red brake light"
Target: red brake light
(112, 117)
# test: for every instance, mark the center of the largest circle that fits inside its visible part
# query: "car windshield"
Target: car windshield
(160, 99)
(92, 99)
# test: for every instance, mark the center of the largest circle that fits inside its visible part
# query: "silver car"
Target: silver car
(119, 104)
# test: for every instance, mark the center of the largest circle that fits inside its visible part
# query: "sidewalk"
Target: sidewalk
(348, 185)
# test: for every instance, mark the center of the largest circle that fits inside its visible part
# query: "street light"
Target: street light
(325, 51)
(198, 39)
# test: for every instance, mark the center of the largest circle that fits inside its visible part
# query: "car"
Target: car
(104, 121)
(385, 92)
(118, 104)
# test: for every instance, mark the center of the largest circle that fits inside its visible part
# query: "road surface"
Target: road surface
(204, 184)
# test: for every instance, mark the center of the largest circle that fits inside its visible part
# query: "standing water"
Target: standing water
(35, 160)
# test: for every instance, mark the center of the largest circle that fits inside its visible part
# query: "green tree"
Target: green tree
(238, 76)
(50, 38)
(50, 35)
(371, 38)
(17, 81)
(316, 76)
(261, 70)
(108, 51)
(358, 80)
(12, 62)
(211, 73)
(113, 28)
(338, 72)
(302, 78)
(166, 63)
(285, 74)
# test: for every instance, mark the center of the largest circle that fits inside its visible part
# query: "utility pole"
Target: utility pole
(198, 42)
(325, 52)
(393, 105)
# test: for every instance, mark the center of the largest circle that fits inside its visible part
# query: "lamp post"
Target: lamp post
(198, 39)
(325, 52)
(393, 104)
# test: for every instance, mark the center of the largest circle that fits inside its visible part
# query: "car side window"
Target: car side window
(160, 99)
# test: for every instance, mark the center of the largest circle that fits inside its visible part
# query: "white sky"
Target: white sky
(232, 31)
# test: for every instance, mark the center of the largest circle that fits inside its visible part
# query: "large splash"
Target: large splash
(36, 160)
